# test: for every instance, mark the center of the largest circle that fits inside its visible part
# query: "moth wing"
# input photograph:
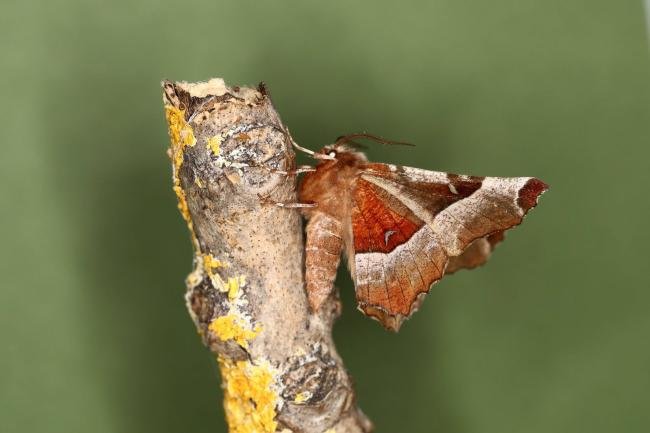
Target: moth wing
(475, 254)
(411, 226)
(393, 255)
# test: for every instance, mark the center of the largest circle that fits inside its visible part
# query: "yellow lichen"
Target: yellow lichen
(210, 263)
(232, 286)
(214, 144)
(181, 136)
(234, 283)
(182, 205)
(249, 396)
(180, 132)
(234, 327)
(302, 397)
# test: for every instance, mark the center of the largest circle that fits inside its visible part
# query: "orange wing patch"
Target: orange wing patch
(396, 257)
(379, 222)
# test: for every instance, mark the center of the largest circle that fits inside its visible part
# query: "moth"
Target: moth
(401, 228)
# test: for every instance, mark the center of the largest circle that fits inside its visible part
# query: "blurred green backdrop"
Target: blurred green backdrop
(551, 336)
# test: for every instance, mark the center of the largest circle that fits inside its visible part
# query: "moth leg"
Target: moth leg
(296, 146)
(298, 170)
(295, 171)
(310, 152)
(265, 199)
(322, 257)
(295, 205)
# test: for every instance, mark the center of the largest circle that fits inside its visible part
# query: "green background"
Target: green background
(551, 336)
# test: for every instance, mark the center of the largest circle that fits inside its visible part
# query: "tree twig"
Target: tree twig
(230, 154)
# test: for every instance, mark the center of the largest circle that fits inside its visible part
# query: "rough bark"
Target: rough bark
(279, 367)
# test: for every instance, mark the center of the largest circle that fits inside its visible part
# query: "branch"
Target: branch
(279, 367)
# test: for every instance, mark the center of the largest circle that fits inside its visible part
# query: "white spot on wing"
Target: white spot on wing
(387, 235)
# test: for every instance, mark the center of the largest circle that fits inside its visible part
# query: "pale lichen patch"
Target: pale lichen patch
(250, 395)
(233, 177)
(196, 276)
(202, 89)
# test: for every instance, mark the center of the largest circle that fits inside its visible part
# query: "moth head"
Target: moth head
(343, 153)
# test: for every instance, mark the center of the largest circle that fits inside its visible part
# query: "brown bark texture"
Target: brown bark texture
(280, 370)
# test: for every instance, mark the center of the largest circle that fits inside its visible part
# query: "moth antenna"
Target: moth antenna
(347, 139)
(356, 144)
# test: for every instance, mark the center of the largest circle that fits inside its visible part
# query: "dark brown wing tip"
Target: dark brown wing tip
(387, 320)
(392, 322)
(530, 192)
